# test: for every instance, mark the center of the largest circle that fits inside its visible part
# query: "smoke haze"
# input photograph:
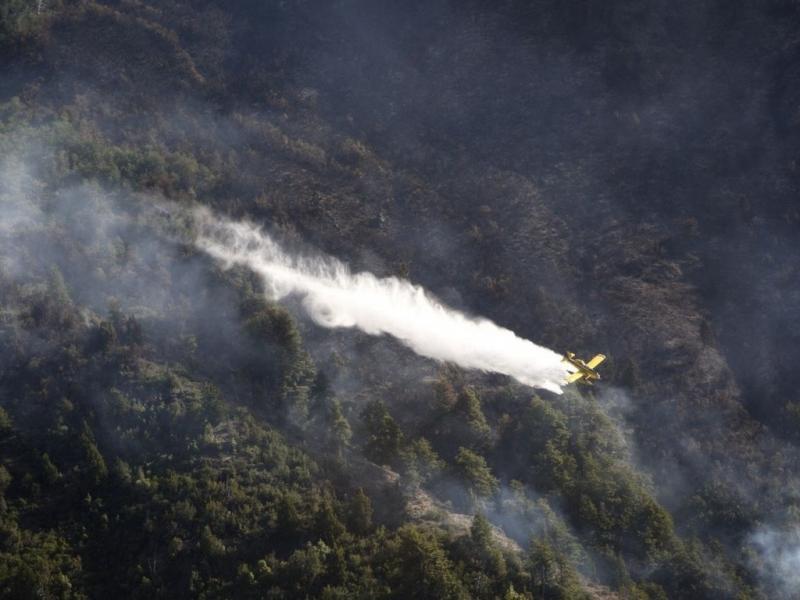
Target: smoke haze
(335, 297)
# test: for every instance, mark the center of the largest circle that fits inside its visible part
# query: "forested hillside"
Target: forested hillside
(616, 177)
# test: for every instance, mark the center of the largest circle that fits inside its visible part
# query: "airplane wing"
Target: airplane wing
(573, 377)
(596, 361)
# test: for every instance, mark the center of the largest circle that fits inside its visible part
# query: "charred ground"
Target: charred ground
(619, 178)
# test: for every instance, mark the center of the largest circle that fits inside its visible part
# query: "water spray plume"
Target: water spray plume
(336, 297)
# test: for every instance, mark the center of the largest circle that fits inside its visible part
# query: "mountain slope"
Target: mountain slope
(614, 179)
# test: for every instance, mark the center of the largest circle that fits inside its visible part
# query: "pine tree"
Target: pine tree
(360, 513)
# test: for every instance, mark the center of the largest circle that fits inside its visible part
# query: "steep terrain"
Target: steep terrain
(618, 178)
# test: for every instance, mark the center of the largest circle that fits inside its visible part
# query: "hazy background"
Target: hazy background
(616, 178)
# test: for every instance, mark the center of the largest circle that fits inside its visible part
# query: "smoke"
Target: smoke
(777, 557)
(335, 297)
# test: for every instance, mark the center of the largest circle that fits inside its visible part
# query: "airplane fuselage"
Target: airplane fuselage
(584, 373)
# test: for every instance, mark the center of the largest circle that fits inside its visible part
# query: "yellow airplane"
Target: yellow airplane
(585, 372)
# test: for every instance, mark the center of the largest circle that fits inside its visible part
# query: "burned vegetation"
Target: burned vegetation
(618, 178)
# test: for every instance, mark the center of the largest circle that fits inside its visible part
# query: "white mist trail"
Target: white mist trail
(335, 297)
